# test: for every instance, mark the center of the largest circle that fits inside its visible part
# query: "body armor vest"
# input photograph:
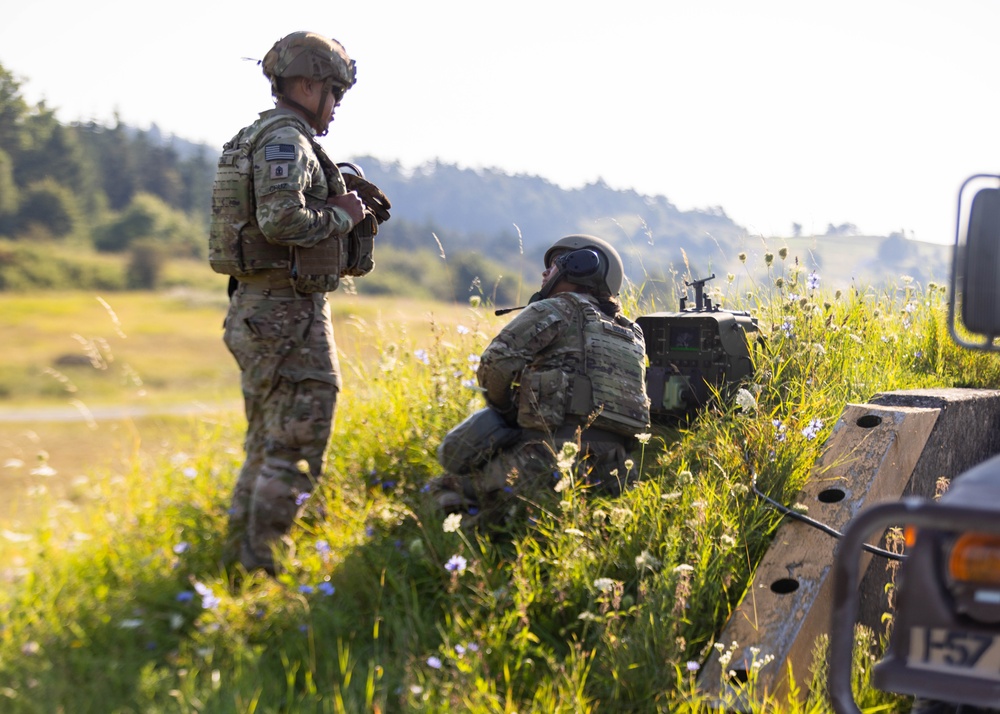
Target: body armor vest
(237, 246)
(615, 372)
(607, 391)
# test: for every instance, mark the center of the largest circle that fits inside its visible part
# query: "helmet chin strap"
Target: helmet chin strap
(553, 280)
(549, 286)
(327, 86)
(313, 117)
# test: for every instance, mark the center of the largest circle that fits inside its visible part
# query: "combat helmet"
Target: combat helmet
(587, 261)
(307, 54)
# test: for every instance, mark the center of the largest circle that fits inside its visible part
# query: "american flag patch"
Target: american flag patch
(279, 152)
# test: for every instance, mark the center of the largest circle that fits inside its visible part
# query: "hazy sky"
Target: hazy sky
(864, 111)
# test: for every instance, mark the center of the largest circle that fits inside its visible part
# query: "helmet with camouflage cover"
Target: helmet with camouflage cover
(587, 261)
(310, 55)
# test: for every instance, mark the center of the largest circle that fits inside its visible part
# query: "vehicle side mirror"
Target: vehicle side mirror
(975, 283)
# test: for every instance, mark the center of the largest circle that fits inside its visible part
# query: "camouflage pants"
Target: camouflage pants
(522, 473)
(284, 347)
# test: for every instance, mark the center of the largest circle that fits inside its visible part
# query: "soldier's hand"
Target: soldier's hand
(351, 203)
(371, 194)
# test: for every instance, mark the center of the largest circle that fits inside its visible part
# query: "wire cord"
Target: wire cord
(786, 511)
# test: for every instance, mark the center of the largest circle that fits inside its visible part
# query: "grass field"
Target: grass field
(88, 382)
(113, 599)
(155, 349)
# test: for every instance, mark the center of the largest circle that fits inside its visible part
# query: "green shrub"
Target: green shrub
(147, 260)
(51, 206)
(36, 265)
(149, 217)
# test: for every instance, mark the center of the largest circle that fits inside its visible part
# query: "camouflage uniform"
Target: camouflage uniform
(282, 340)
(531, 371)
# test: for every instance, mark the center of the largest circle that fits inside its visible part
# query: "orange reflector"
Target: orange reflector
(976, 558)
(909, 536)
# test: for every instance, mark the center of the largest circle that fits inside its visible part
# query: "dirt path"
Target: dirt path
(49, 453)
(23, 415)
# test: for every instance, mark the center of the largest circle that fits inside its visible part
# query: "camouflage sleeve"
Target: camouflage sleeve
(291, 190)
(538, 326)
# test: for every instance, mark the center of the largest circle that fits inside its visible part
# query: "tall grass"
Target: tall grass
(585, 604)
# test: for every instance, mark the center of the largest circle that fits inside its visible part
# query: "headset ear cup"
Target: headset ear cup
(584, 267)
(580, 264)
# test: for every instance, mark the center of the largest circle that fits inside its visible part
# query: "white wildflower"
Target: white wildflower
(567, 457)
(621, 517)
(647, 561)
(16, 537)
(604, 585)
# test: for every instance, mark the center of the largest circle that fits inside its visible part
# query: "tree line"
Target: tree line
(75, 197)
(85, 189)
(113, 189)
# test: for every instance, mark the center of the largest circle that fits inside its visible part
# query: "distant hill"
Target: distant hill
(516, 217)
(142, 195)
(525, 214)
(846, 261)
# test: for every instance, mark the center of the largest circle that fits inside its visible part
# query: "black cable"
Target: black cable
(784, 510)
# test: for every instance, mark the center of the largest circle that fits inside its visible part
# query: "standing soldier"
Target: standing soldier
(286, 226)
(569, 368)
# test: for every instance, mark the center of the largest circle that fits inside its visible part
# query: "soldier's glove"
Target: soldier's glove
(372, 195)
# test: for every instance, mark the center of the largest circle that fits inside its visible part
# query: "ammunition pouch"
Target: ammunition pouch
(317, 269)
(360, 258)
(543, 398)
(320, 267)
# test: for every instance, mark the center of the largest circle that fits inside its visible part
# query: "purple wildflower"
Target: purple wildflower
(456, 564)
